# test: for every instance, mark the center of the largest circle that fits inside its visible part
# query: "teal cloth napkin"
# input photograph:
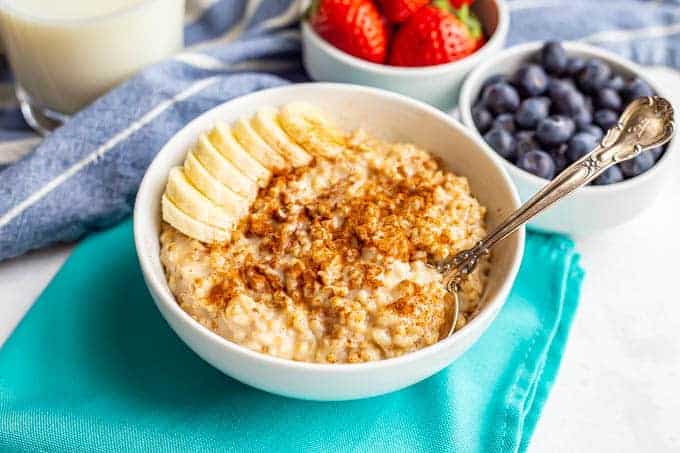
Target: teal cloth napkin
(94, 367)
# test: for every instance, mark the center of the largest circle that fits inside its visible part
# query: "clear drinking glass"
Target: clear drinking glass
(66, 53)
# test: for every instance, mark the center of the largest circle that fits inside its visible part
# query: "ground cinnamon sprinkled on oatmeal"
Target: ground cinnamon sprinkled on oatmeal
(330, 264)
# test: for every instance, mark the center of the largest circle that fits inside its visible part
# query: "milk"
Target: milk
(66, 53)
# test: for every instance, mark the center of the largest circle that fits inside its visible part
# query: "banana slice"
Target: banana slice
(223, 170)
(214, 190)
(257, 147)
(223, 140)
(266, 124)
(308, 126)
(192, 202)
(190, 226)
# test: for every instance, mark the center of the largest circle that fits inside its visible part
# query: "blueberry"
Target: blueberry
(582, 118)
(531, 80)
(482, 118)
(559, 156)
(657, 152)
(616, 83)
(538, 163)
(554, 57)
(531, 111)
(525, 142)
(559, 87)
(504, 121)
(606, 119)
(525, 135)
(570, 103)
(594, 76)
(589, 103)
(609, 99)
(610, 176)
(554, 130)
(634, 89)
(580, 145)
(501, 141)
(593, 130)
(637, 165)
(561, 163)
(501, 98)
(565, 98)
(570, 82)
(574, 66)
(498, 78)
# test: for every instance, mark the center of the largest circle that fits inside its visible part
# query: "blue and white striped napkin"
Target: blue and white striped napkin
(85, 176)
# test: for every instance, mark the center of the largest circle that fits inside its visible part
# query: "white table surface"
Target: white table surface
(619, 386)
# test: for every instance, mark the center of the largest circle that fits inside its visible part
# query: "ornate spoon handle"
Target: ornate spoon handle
(645, 124)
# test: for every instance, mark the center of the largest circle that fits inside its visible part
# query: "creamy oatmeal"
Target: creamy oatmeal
(330, 263)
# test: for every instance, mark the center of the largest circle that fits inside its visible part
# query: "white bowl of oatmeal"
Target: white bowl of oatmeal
(322, 290)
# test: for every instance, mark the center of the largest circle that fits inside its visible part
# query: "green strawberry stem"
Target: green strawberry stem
(444, 5)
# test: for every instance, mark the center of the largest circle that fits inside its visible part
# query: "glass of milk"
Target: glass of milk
(66, 53)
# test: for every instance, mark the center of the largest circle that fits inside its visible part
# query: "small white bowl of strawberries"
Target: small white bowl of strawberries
(420, 48)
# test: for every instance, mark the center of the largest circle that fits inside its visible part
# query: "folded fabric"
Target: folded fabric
(94, 367)
(84, 176)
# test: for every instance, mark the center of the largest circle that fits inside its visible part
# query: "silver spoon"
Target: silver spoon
(645, 124)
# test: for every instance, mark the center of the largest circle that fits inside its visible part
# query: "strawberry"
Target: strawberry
(354, 26)
(398, 11)
(431, 36)
(463, 13)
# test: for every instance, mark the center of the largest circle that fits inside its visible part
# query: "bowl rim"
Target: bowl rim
(487, 49)
(143, 222)
(485, 70)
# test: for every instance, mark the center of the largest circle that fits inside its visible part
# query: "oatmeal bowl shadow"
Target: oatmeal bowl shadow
(384, 115)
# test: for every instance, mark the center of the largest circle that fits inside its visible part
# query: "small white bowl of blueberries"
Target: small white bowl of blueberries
(541, 106)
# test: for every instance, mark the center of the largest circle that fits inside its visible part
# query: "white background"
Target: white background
(619, 386)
